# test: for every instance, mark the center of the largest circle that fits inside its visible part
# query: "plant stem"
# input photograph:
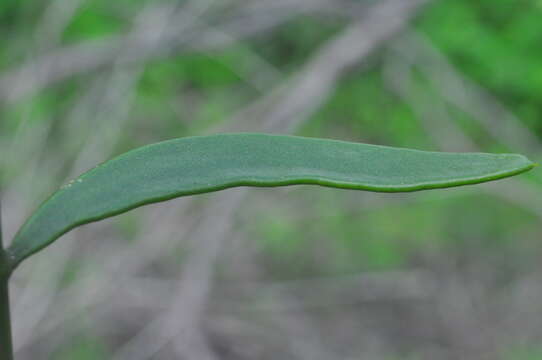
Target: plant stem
(6, 344)
(6, 341)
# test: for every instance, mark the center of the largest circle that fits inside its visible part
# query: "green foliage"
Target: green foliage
(523, 354)
(359, 106)
(296, 40)
(494, 43)
(94, 22)
(196, 165)
(82, 348)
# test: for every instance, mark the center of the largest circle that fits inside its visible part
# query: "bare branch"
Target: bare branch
(311, 86)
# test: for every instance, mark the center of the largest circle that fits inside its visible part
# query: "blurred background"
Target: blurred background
(300, 272)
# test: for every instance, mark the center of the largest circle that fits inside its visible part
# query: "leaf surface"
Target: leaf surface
(194, 165)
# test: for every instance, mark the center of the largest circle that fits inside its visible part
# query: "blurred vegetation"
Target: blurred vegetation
(300, 232)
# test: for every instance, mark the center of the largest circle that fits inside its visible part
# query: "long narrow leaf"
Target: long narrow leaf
(196, 165)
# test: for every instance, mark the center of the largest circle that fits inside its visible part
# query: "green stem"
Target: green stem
(6, 342)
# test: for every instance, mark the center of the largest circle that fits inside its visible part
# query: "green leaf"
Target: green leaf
(196, 165)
